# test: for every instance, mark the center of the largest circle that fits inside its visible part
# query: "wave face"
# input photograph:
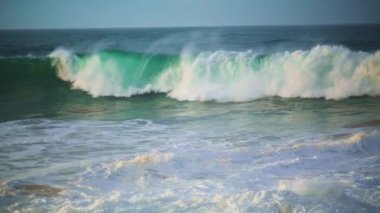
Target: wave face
(331, 72)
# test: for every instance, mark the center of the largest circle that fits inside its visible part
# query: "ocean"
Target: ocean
(222, 119)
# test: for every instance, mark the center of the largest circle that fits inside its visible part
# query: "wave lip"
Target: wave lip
(330, 72)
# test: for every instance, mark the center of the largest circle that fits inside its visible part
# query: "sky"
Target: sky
(43, 14)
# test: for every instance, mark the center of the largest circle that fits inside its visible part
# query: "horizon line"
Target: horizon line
(193, 26)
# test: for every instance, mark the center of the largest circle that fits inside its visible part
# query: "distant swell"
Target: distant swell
(330, 72)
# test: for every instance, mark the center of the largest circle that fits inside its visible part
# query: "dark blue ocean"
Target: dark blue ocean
(222, 119)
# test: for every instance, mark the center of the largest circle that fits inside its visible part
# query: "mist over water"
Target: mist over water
(261, 119)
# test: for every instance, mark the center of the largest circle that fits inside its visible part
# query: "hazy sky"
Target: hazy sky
(159, 13)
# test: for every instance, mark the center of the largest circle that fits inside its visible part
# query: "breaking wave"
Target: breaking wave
(330, 72)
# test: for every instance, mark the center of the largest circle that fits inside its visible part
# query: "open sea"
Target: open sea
(223, 119)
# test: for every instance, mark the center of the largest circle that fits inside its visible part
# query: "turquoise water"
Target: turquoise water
(243, 120)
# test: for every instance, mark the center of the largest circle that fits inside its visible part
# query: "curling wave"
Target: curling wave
(331, 72)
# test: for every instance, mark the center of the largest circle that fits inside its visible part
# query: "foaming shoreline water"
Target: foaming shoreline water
(149, 166)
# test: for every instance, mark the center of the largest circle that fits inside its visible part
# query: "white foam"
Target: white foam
(153, 157)
(316, 187)
(236, 202)
(343, 143)
(93, 204)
